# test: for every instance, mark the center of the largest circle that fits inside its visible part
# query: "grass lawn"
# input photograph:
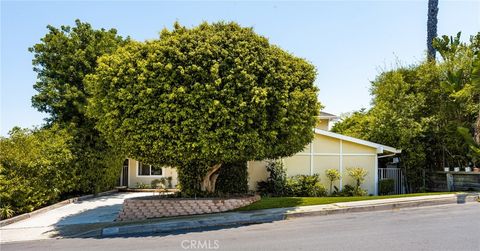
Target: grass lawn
(277, 202)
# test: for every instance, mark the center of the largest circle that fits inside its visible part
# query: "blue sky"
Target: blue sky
(349, 42)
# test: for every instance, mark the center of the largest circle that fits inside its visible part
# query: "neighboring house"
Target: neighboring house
(327, 150)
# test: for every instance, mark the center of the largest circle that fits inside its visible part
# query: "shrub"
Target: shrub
(233, 178)
(305, 186)
(35, 169)
(140, 185)
(332, 175)
(6, 212)
(386, 186)
(349, 190)
(276, 183)
(158, 183)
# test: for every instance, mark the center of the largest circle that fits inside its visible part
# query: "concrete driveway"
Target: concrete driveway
(101, 209)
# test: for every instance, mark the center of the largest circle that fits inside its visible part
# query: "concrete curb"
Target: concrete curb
(276, 214)
(51, 207)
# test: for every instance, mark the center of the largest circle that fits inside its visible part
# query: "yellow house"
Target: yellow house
(327, 150)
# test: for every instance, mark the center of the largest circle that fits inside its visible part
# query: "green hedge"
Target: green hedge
(386, 186)
(233, 178)
(35, 169)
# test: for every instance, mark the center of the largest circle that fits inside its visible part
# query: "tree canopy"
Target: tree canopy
(62, 59)
(420, 108)
(206, 95)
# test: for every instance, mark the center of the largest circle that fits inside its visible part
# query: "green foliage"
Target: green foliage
(159, 183)
(332, 175)
(197, 97)
(276, 183)
(6, 212)
(233, 178)
(140, 185)
(419, 108)
(386, 186)
(358, 174)
(349, 190)
(305, 186)
(62, 59)
(35, 169)
(189, 178)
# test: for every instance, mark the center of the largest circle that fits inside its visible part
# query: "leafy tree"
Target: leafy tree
(62, 59)
(419, 109)
(200, 97)
(35, 169)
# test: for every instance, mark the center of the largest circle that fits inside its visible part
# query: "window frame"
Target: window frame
(145, 176)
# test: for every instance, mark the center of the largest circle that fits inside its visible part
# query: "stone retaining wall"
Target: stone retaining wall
(153, 207)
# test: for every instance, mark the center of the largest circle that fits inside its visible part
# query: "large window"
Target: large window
(149, 170)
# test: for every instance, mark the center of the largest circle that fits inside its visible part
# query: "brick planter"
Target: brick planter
(154, 207)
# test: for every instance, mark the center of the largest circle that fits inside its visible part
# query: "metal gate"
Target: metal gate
(398, 178)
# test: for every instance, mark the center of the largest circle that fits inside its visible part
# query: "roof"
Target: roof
(326, 115)
(380, 148)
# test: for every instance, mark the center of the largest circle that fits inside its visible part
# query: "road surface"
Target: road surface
(448, 227)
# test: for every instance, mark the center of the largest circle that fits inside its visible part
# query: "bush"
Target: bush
(276, 183)
(35, 169)
(349, 190)
(158, 183)
(386, 186)
(233, 178)
(305, 186)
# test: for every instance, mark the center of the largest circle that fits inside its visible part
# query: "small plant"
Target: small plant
(276, 183)
(358, 174)
(6, 212)
(305, 186)
(386, 186)
(140, 185)
(332, 175)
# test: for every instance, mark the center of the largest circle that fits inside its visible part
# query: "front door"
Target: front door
(125, 174)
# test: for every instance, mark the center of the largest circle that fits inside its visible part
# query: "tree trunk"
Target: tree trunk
(431, 28)
(210, 179)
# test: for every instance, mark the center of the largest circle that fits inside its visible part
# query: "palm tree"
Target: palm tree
(431, 27)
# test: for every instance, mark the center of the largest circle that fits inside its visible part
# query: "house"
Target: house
(327, 150)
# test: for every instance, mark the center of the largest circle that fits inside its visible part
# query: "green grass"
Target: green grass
(278, 202)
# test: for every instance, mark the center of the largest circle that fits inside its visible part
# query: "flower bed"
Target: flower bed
(154, 207)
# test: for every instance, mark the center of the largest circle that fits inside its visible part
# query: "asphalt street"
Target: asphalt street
(448, 227)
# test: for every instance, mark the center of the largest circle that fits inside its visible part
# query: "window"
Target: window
(149, 170)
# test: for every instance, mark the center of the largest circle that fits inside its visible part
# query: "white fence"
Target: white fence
(397, 175)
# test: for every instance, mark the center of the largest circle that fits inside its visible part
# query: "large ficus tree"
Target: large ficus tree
(201, 97)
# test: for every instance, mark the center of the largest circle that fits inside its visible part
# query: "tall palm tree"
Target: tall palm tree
(431, 27)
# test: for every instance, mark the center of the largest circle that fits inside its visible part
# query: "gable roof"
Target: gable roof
(326, 115)
(380, 148)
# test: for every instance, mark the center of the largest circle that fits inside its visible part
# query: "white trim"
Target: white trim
(311, 158)
(148, 176)
(341, 165)
(335, 154)
(380, 148)
(376, 177)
